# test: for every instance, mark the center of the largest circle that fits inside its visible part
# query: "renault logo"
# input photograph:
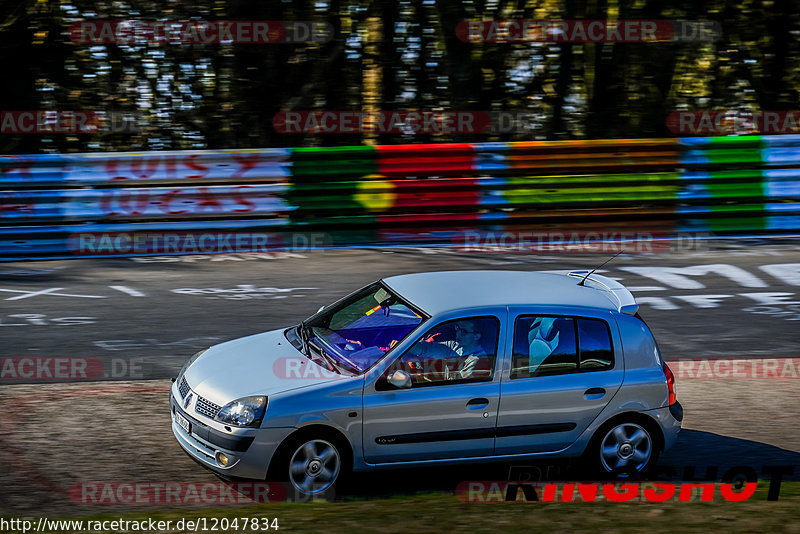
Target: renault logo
(187, 401)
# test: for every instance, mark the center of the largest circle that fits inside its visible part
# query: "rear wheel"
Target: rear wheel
(624, 450)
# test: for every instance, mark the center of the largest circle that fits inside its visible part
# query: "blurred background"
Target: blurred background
(389, 55)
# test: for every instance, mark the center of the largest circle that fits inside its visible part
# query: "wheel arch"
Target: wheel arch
(647, 421)
(316, 430)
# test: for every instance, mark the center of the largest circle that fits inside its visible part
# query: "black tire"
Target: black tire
(623, 450)
(325, 462)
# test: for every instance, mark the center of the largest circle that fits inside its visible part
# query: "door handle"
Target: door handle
(594, 391)
(480, 402)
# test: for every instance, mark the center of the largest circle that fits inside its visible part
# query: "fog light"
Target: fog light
(222, 459)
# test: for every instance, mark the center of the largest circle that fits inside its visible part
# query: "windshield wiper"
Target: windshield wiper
(304, 339)
(328, 358)
(350, 365)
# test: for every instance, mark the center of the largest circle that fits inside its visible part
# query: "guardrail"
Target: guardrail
(400, 194)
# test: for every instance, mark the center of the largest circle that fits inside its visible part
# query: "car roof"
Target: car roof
(445, 291)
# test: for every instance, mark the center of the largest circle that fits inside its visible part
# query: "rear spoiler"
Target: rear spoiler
(625, 301)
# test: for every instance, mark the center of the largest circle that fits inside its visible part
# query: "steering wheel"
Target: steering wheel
(432, 351)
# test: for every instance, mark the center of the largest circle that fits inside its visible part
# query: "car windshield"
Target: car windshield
(358, 331)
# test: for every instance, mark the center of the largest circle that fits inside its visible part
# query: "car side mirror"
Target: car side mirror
(320, 309)
(399, 379)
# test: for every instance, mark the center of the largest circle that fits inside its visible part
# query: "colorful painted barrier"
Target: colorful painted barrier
(400, 194)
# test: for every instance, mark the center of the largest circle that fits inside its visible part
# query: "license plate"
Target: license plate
(181, 420)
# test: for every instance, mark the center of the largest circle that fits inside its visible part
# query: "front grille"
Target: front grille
(183, 387)
(206, 407)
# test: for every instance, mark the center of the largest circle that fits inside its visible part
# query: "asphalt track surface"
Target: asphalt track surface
(143, 317)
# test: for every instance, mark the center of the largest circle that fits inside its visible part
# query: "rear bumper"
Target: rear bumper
(677, 411)
(669, 423)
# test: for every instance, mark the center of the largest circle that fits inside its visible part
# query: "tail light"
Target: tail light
(670, 383)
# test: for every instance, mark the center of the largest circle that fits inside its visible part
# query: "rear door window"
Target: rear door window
(550, 345)
(595, 345)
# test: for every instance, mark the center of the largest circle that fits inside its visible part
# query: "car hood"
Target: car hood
(262, 364)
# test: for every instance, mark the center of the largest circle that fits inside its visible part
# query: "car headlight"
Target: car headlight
(189, 362)
(247, 411)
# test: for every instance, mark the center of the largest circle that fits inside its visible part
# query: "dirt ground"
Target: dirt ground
(55, 436)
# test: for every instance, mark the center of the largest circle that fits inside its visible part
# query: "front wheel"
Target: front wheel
(624, 450)
(314, 466)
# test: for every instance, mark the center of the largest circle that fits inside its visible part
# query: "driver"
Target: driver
(467, 346)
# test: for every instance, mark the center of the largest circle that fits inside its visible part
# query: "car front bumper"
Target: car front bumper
(249, 450)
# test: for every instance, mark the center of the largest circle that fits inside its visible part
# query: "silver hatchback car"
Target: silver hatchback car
(435, 368)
